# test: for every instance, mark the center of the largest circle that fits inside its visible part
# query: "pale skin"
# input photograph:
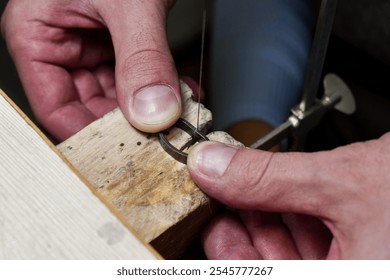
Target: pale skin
(65, 58)
(337, 201)
(347, 190)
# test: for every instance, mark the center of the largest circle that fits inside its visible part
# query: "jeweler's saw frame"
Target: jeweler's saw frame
(310, 110)
(308, 113)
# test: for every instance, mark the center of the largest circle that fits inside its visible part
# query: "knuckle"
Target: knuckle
(252, 175)
(144, 63)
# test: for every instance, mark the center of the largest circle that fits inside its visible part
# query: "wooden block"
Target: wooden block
(46, 210)
(131, 170)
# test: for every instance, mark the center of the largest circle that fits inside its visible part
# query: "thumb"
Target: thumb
(147, 85)
(251, 179)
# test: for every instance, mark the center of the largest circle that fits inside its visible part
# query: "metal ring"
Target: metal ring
(178, 154)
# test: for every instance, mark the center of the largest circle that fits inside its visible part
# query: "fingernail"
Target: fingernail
(155, 105)
(211, 158)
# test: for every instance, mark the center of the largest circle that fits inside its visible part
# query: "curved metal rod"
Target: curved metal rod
(178, 154)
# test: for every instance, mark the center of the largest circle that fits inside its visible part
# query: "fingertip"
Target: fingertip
(210, 159)
(154, 108)
(233, 246)
(207, 162)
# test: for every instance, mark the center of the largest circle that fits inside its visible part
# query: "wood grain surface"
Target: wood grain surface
(153, 191)
(46, 210)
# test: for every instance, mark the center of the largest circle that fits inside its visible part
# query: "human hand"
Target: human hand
(347, 189)
(66, 52)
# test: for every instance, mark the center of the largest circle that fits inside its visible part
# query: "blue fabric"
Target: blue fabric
(259, 52)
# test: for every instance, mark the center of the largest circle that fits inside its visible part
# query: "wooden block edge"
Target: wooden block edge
(116, 213)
